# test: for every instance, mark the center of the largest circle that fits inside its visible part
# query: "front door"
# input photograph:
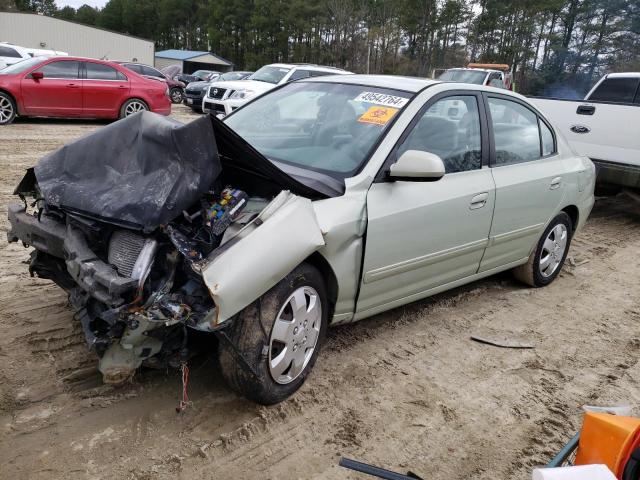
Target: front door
(528, 174)
(105, 90)
(58, 94)
(423, 235)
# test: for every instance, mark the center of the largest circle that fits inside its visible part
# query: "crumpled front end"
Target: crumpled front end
(140, 278)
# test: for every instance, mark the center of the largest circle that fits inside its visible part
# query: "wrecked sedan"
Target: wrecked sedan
(323, 202)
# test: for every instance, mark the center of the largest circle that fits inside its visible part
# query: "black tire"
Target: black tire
(530, 273)
(8, 109)
(126, 105)
(176, 95)
(253, 340)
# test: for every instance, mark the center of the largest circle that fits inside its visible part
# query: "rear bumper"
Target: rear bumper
(163, 111)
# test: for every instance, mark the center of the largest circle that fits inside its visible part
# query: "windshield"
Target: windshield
(326, 127)
(465, 76)
(21, 66)
(201, 73)
(270, 74)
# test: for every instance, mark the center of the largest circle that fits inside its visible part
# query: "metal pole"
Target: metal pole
(374, 471)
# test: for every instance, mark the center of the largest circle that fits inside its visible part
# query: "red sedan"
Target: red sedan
(72, 87)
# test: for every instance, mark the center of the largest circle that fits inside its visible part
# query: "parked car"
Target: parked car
(74, 87)
(196, 91)
(197, 76)
(334, 199)
(603, 127)
(11, 54)
(176, 88)
(223, 101)
(490, 74)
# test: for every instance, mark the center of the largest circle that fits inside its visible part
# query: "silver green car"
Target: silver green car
(360, 194)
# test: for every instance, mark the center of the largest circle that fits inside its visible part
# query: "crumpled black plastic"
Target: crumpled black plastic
(139, 172)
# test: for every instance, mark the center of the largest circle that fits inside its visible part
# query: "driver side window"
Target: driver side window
(450, 128)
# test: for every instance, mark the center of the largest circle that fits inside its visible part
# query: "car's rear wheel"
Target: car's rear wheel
(176, 95)
(132, 106)
(547, 259)
(8, 109)
(279, 336)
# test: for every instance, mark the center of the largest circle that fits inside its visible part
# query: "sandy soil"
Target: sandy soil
(406, 390)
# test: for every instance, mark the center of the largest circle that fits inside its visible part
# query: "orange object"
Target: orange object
(608, 439)
(495, 66)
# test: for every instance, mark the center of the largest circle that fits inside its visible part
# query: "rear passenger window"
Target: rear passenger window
(548, 143)
(298, 74)
(450, 128)
(61, 69)
(619, 90)
(98, 71)
(515, 130)
(9, 52)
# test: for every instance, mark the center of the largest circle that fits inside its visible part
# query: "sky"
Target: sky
(79, 3)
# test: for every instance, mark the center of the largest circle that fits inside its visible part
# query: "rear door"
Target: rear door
(528, 174)
(602, 127)
(58, 94)
(105, 90)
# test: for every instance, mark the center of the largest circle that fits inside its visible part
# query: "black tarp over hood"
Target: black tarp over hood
(142, 171)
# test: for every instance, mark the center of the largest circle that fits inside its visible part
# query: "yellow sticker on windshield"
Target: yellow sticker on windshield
(378, 115)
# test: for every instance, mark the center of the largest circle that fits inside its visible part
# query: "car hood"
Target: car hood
(157, 168)
(197, 85)
(254, 85)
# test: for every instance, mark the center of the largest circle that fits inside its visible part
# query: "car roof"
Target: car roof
(307, 65)
(624, 75)
(409, 84)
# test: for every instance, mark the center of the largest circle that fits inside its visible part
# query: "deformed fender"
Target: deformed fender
(260, 255)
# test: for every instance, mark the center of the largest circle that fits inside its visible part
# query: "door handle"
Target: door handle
(586, 110)
(555, 183)
(73, 85)
(479, 201)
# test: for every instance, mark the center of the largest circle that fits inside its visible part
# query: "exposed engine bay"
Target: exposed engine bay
(126, 219)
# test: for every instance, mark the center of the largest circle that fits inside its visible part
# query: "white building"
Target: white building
(39, 31)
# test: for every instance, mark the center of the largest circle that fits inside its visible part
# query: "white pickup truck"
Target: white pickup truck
(605, 127)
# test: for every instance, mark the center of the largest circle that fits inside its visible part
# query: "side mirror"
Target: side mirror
(37, 75)
(417, 165)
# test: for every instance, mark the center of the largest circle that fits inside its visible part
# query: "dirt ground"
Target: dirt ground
(406, 390)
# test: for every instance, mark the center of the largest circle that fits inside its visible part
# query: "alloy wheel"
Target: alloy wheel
(134, 107)
(553, 250)
(6, 110)
(295, 335)
(176, 96)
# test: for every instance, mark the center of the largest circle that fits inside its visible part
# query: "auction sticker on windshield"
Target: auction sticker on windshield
(378, 115)
(382, 99)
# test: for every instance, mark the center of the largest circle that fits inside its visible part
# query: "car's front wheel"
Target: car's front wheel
(8, 109)
(131, 106)
(279, 337)
(176, 95)
(547, 259)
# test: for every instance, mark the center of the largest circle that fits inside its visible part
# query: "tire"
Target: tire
(547, 259)
(132, 106)
(176, 95)
(256, 331)
(8, 109)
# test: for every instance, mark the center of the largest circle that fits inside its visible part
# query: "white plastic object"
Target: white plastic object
(582, 472)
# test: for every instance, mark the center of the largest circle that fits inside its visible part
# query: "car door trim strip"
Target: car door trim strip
(423, 261)
(515, 234)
